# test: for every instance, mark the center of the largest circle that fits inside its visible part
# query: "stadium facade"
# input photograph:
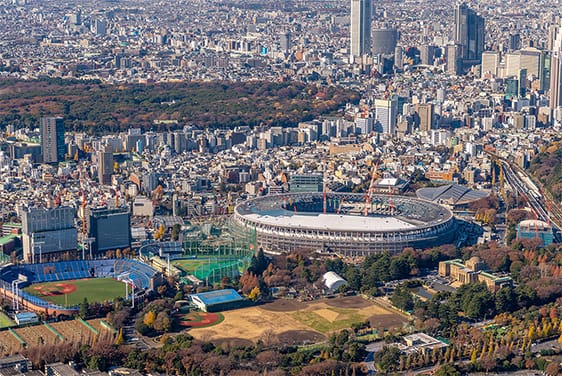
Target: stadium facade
(344, 223)
(14, 278)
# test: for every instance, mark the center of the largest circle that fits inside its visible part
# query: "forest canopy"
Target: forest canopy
(97, 107)
(547, 168)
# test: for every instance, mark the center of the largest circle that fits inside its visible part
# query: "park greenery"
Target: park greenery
(546, 167)
(97, 108)
(515, 318)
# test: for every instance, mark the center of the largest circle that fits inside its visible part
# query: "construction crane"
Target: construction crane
(324, 189)
(374, 175)
(83, 213)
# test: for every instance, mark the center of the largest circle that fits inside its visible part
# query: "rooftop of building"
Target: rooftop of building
(6, 239)
(451, 193)
(218, 297)
(9, 360)
(401, 213)
(534, 225)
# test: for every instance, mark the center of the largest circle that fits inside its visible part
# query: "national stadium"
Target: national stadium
(36, 287)
(345, 223)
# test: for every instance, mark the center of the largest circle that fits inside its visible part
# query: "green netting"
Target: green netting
(4, 258)
(214, 269)
(210, 258)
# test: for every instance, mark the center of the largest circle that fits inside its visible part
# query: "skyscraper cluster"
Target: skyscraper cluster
(469, 34)
(469, 40)
(465, 51)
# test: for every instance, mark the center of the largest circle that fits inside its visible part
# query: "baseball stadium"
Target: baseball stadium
(57, 288)
(345, 223)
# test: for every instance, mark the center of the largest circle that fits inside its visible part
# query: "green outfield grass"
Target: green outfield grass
(5, 321)
(95, 290)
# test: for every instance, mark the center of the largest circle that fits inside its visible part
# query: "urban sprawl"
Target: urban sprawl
(290, 187)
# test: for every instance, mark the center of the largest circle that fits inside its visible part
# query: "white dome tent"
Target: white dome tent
(333, 281)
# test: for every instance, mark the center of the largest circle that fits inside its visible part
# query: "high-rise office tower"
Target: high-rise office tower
(99, 26)
(75, 18)
(556, 67)
(398, 57)
(384, 41)
(490, 63)
(360, 27)
(425, 113)
(111, 228)
(545, 69)
(427, 54)
(514, 42)
(105, 167)
(469, 33)
(512, 62)
(48, 233)
(454, 60)
(530, 59)
(285, 41)
(386, 112)
(511, 88)
(52, 139)
(522, 78)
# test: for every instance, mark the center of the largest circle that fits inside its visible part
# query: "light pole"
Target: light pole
(15, 293)
(125, 278)
(90, 241)
(36, 243)
(132, 292)
(83, 249)
(14, 300)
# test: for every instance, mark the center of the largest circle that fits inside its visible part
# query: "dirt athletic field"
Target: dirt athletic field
(291, 321)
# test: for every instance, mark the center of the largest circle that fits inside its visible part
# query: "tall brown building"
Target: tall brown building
(52, 139)
(425, 113)
(105, 167)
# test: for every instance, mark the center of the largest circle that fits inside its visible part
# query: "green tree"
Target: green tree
(258, 263)
(84, 308)
(96, 362)
(353, 278)
(505, 300)
(402, 298)
(136, 359)
(387, 359)
(399, 268)
(447, 370)
(176, 231)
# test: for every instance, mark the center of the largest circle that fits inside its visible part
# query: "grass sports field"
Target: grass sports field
(73, 292)
(5, 321)
(203, 267)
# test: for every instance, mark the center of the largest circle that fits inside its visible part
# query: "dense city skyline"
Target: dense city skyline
(349, 187)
